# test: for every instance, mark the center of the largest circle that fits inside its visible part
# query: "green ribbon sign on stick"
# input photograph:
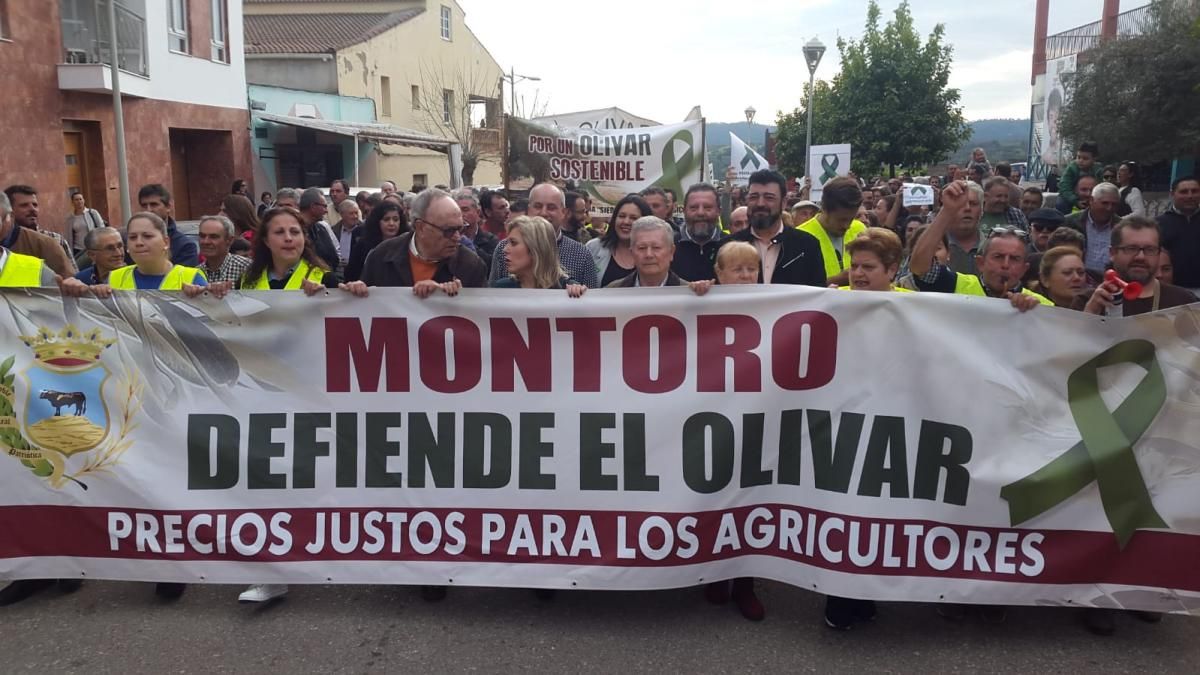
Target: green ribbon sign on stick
(830, 168)
(749, 157)
(1105, 453)
(673, 170)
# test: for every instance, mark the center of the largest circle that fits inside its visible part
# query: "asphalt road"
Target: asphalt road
(122, 628)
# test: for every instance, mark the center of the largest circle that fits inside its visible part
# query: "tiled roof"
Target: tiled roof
(316, 33)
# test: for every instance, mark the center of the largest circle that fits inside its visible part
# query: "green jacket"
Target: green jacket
(1070, 177)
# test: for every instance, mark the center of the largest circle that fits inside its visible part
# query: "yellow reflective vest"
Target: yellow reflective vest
(969, 284)
(122, 278)
(303, 272)
(21, 271)
(833, 266)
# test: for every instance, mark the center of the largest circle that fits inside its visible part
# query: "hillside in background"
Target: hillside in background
(1002, 140)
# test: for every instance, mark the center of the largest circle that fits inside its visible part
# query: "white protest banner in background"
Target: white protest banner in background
(608, 163)
(826, 162)
(625, 440)
(916, 194)
(605, 118)
(744, 160)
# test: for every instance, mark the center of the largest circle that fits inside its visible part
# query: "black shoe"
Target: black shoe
(839, 613)
(433, 593)
(169, 591)
(993, 613)
(20, 590)
(68, 586)
(1100, 621)
(544, 594)
(1148, 617)
(864, 610)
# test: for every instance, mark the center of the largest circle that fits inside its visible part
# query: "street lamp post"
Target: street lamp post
(813, 51)
(513, 78)
(750, 112)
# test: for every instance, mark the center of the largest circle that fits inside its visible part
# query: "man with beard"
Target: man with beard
(1136, 251)
(494, 208)
(699, 239)
(788, 255)
(26, 215)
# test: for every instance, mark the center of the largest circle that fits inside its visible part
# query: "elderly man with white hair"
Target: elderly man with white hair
(1097, 223)
(549, 202)
(653, 243)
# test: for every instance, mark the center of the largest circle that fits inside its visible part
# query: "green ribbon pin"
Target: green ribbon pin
(830, 168)
(673, 170)
(1105, 453)
(749, 157)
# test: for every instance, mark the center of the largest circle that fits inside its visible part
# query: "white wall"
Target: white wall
(190, 79)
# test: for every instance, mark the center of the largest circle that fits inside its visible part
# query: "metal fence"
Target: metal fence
(85, 36)
(1083, 38)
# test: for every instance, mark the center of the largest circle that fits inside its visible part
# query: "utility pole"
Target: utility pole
(118, 114)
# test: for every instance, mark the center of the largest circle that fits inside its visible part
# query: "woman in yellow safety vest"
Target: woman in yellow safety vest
(152, 269)
(284, 258)
(874, 260)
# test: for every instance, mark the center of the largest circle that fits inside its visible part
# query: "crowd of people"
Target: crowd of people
(984, 236)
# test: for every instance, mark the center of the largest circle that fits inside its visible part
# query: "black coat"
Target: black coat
(388, 265)
(799, 262)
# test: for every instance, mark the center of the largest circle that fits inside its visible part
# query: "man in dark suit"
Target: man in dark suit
(788, 255)
(653, 244)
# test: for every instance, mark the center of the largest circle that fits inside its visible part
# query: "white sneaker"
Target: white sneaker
(263, 592)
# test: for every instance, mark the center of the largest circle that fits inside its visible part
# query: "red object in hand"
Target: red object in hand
(1131, 289)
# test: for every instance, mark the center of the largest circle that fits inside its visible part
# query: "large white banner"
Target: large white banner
(826, 162)
(630, 439)
(605, 118)
(608, 163)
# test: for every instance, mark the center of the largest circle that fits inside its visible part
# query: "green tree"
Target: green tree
(1138, 95)
(891, 101)
(791, 128)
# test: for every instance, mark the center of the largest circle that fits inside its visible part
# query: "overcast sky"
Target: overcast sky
(658, 58)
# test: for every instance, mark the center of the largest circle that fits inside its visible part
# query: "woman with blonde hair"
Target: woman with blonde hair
(1063, 279)
(532, 256)
(150, 248)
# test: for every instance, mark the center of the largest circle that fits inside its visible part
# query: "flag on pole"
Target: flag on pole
(744, 159)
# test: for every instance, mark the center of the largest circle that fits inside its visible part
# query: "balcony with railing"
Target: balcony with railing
(1082, 38)
(88, 51)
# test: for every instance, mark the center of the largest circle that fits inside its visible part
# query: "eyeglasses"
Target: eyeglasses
(447, 232)
(1148, 251)
(1008, 231)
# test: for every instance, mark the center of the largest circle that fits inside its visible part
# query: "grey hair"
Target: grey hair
(311, 196)
(288, 193)
(977, 189)
(348, 204)
(5, 206)
(89, 239)
(994, 181)
(466, 193)
(562, 197)
(653, 224)
(226, 223)
(409, 198)
(423, 201)
(987, 241)
(1103, 188)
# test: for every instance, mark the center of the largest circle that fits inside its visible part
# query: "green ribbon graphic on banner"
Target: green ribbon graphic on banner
(1105, 453)
(673, 170)
(830, 168)
(749, 157)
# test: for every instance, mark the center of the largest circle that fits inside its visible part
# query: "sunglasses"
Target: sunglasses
(1006, 231)
(1044, 227)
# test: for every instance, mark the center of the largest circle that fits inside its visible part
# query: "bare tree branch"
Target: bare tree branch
(445, 102)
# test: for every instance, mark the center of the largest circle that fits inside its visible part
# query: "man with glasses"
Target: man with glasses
(548, 201)
(1042, 223)
(1136, 251)
(1097, 223)
(431, 257)
(106, 250)
(789, 256)
(312, 210)
(1001, 263)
